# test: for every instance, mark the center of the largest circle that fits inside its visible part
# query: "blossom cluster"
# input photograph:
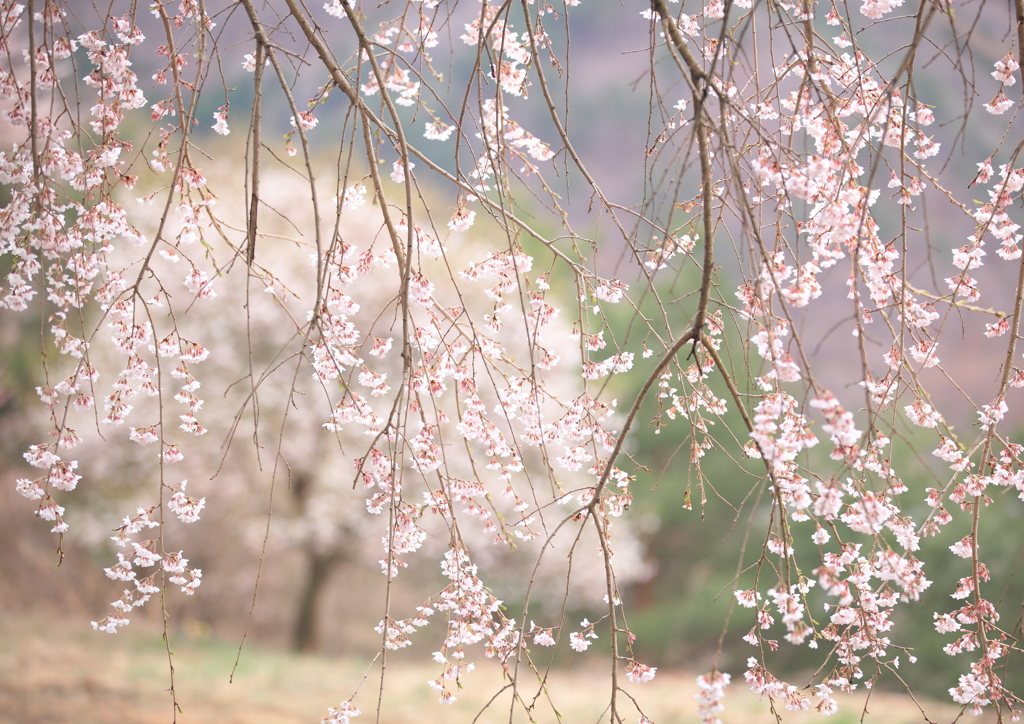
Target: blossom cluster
(429, 338)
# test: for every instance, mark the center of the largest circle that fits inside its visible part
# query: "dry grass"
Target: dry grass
(62, 672)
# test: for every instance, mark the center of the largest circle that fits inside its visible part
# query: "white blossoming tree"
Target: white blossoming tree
(519, 295)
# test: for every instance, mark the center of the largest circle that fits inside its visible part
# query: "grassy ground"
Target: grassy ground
(56, 672)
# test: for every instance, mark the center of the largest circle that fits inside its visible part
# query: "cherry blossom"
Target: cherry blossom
(487, 367)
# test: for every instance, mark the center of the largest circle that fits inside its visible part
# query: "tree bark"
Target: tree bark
(306, 635)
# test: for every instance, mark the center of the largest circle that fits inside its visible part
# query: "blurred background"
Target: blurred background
(292, 587)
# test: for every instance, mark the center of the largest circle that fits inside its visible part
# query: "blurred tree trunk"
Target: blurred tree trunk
(319, 567)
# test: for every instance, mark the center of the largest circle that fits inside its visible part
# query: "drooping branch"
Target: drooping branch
(257, 148)
(1019, 7)
(342, 81)
(694, 329)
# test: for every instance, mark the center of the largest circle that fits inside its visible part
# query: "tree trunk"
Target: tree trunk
(319, 568)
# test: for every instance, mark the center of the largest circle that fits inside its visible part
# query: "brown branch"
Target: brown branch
(262, 40)
(342, 81)
(1019, 6)
(693, 332)
(257, 111)
(699, 85)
